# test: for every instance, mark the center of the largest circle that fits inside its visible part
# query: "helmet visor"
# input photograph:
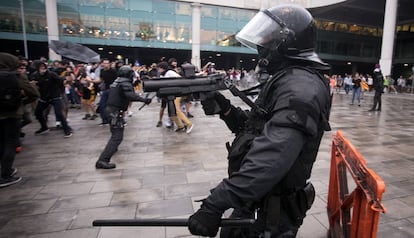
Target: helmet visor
(263, 31)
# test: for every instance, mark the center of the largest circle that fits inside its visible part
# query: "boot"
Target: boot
(100, 164)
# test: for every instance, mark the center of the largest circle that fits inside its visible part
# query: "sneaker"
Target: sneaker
(189, 115)
(67, 135)
(4, 182)
(93, 117)
(42, 131)
(103, 124)
(159, 124)
(182, 129)
(169, 124)
(130, 113)
(189, 129)
(86, 117)
(58, 124)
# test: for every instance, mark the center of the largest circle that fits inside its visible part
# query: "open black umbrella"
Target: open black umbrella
(74, 51)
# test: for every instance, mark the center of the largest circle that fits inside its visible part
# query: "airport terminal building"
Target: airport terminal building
(351, 34)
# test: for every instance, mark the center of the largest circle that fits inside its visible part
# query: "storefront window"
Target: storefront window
(208, 37)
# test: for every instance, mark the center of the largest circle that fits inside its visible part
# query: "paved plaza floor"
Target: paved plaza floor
(160, 172)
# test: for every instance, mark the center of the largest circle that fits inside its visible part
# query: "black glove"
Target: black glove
(223, 102)
(147, 101)
(214, 103)
(206, 221)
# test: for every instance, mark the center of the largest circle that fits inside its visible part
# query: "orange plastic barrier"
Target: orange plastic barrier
(355, 214)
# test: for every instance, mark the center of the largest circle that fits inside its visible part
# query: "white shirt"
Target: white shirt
(171, 74)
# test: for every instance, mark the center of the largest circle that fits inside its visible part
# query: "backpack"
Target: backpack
(10, 93)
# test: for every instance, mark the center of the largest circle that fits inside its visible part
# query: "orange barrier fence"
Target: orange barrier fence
(355, 214)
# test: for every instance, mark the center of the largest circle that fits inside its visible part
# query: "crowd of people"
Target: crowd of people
(62, 85)
(357, 84)
(391, 86)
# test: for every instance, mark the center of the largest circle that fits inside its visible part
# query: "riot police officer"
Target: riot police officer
(121, 92)
(276, 144)
(379, 88)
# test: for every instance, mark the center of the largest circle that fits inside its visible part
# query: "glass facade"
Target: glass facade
(128, 22)
(166, 24)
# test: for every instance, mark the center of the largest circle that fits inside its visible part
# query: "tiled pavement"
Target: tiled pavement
(160, 173)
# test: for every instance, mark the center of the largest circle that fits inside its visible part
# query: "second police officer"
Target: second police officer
(276, 143)
(121, 93)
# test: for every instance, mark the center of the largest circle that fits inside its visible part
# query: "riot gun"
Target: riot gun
(183, 86)
(170, 88)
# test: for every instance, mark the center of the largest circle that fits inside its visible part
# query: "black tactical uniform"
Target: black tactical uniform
(121, 92)
(276, 144)
(379, 88)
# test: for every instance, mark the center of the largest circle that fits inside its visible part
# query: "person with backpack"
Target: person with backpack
(15, 91)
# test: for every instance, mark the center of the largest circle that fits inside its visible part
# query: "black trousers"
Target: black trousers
(9, 135)
(377, 100)
(117, 135)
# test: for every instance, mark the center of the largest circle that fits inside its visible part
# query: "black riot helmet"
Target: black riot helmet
(126, 72)
(284, 31)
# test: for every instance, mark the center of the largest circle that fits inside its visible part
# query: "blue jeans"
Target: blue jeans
(57, 107)
(357, 92)
(102, 106)
(74, 98)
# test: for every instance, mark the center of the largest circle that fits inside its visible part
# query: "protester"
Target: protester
(15, 92)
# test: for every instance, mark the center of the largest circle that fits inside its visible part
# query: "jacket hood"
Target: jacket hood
(8, 62)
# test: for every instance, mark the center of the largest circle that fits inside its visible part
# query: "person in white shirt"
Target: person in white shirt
(347, 83)
(180, 117)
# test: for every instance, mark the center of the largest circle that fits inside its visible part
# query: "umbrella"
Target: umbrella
(74, 51)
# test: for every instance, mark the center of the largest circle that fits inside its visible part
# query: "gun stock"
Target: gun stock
(168, 222)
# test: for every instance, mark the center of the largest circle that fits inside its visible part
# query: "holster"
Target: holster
(296, 204)
(116, 119)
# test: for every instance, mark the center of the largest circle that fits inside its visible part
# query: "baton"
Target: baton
(143, 105)
(226, 222)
